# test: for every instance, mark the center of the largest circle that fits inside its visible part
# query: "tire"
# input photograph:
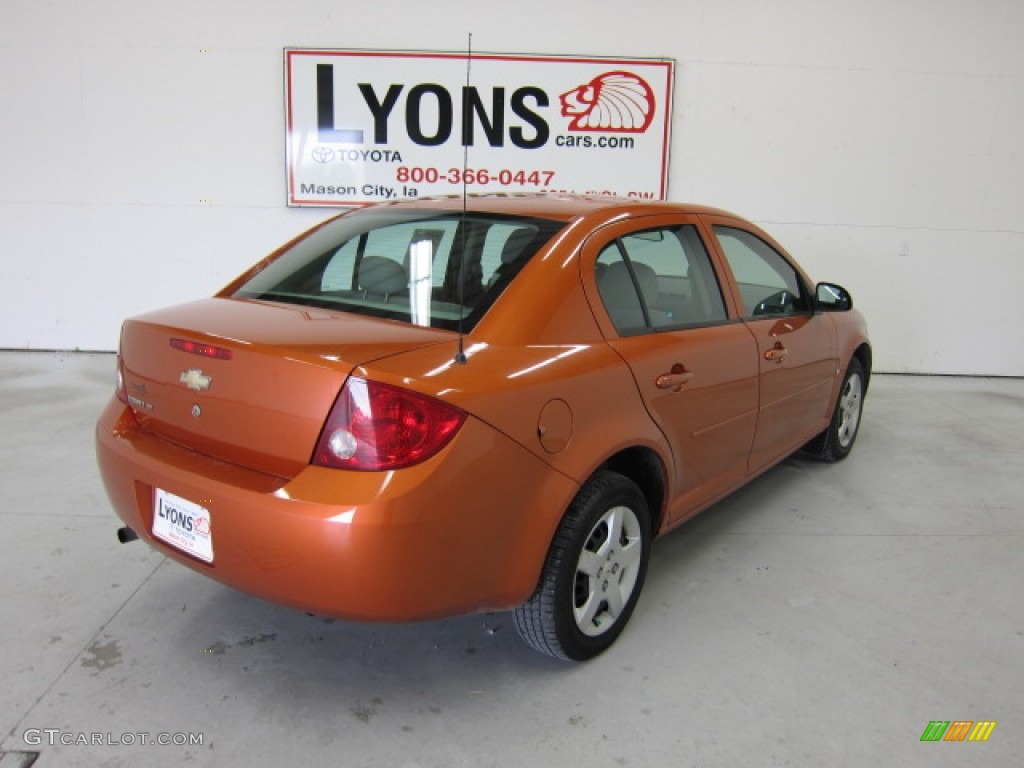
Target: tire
(594, 572)
(836, 442)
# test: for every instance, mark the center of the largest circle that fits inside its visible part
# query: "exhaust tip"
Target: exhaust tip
(124, 535)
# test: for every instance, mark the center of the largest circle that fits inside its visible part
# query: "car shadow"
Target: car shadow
(233, 626)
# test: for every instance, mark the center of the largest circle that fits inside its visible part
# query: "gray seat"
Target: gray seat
(513, 248)
(620, 297)
(381, 276)
(516, 243)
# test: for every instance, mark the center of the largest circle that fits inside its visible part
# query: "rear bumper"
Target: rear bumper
(466, 531)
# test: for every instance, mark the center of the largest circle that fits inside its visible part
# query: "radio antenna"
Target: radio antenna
(460, 356)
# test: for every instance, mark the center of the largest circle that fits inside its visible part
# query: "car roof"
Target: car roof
(564, 207)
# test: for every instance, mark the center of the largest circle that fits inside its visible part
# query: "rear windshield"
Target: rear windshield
(404, 265)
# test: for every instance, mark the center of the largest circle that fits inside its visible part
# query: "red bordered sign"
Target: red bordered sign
(369, 126)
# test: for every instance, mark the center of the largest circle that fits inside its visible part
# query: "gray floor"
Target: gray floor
(822, 616)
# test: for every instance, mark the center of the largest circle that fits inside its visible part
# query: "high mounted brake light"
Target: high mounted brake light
(205, 350)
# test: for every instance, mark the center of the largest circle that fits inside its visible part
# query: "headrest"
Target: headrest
(378, 274)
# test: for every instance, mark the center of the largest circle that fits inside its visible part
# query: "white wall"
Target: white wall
(879, 140)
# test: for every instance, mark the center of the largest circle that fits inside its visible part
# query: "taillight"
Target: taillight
(122, 392)
(375, 426)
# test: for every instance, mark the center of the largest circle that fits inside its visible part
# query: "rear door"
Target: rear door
(660, 304)
(796, 348)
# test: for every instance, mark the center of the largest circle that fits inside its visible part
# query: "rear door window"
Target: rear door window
(659, 279)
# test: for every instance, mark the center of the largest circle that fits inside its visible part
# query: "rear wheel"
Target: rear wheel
(836, 442)
(593, 574)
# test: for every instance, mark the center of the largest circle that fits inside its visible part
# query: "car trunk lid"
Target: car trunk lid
(250, 382)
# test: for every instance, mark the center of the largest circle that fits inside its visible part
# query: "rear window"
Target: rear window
(405, 265)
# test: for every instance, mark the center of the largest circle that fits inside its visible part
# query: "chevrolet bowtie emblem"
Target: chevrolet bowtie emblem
(194, 379)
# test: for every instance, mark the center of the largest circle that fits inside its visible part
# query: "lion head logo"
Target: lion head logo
(614, 101)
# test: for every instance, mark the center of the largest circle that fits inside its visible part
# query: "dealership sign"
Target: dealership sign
(369, 126)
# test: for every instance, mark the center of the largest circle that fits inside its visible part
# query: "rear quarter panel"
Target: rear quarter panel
(510, 387)
(539, 370)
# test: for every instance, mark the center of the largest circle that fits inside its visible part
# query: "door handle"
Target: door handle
(776, 353)
(676, 379)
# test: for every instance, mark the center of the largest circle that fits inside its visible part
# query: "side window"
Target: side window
(659, 279)
(768, 284)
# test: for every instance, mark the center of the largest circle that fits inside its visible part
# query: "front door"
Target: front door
(796, 348)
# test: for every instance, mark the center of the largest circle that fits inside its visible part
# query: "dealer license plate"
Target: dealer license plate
(183, 524)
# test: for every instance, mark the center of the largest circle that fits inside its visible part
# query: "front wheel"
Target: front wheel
(593, 574)
(836, 442)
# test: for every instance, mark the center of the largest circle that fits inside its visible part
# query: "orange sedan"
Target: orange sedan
(417, 410)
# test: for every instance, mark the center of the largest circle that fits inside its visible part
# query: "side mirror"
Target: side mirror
(833, 298)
